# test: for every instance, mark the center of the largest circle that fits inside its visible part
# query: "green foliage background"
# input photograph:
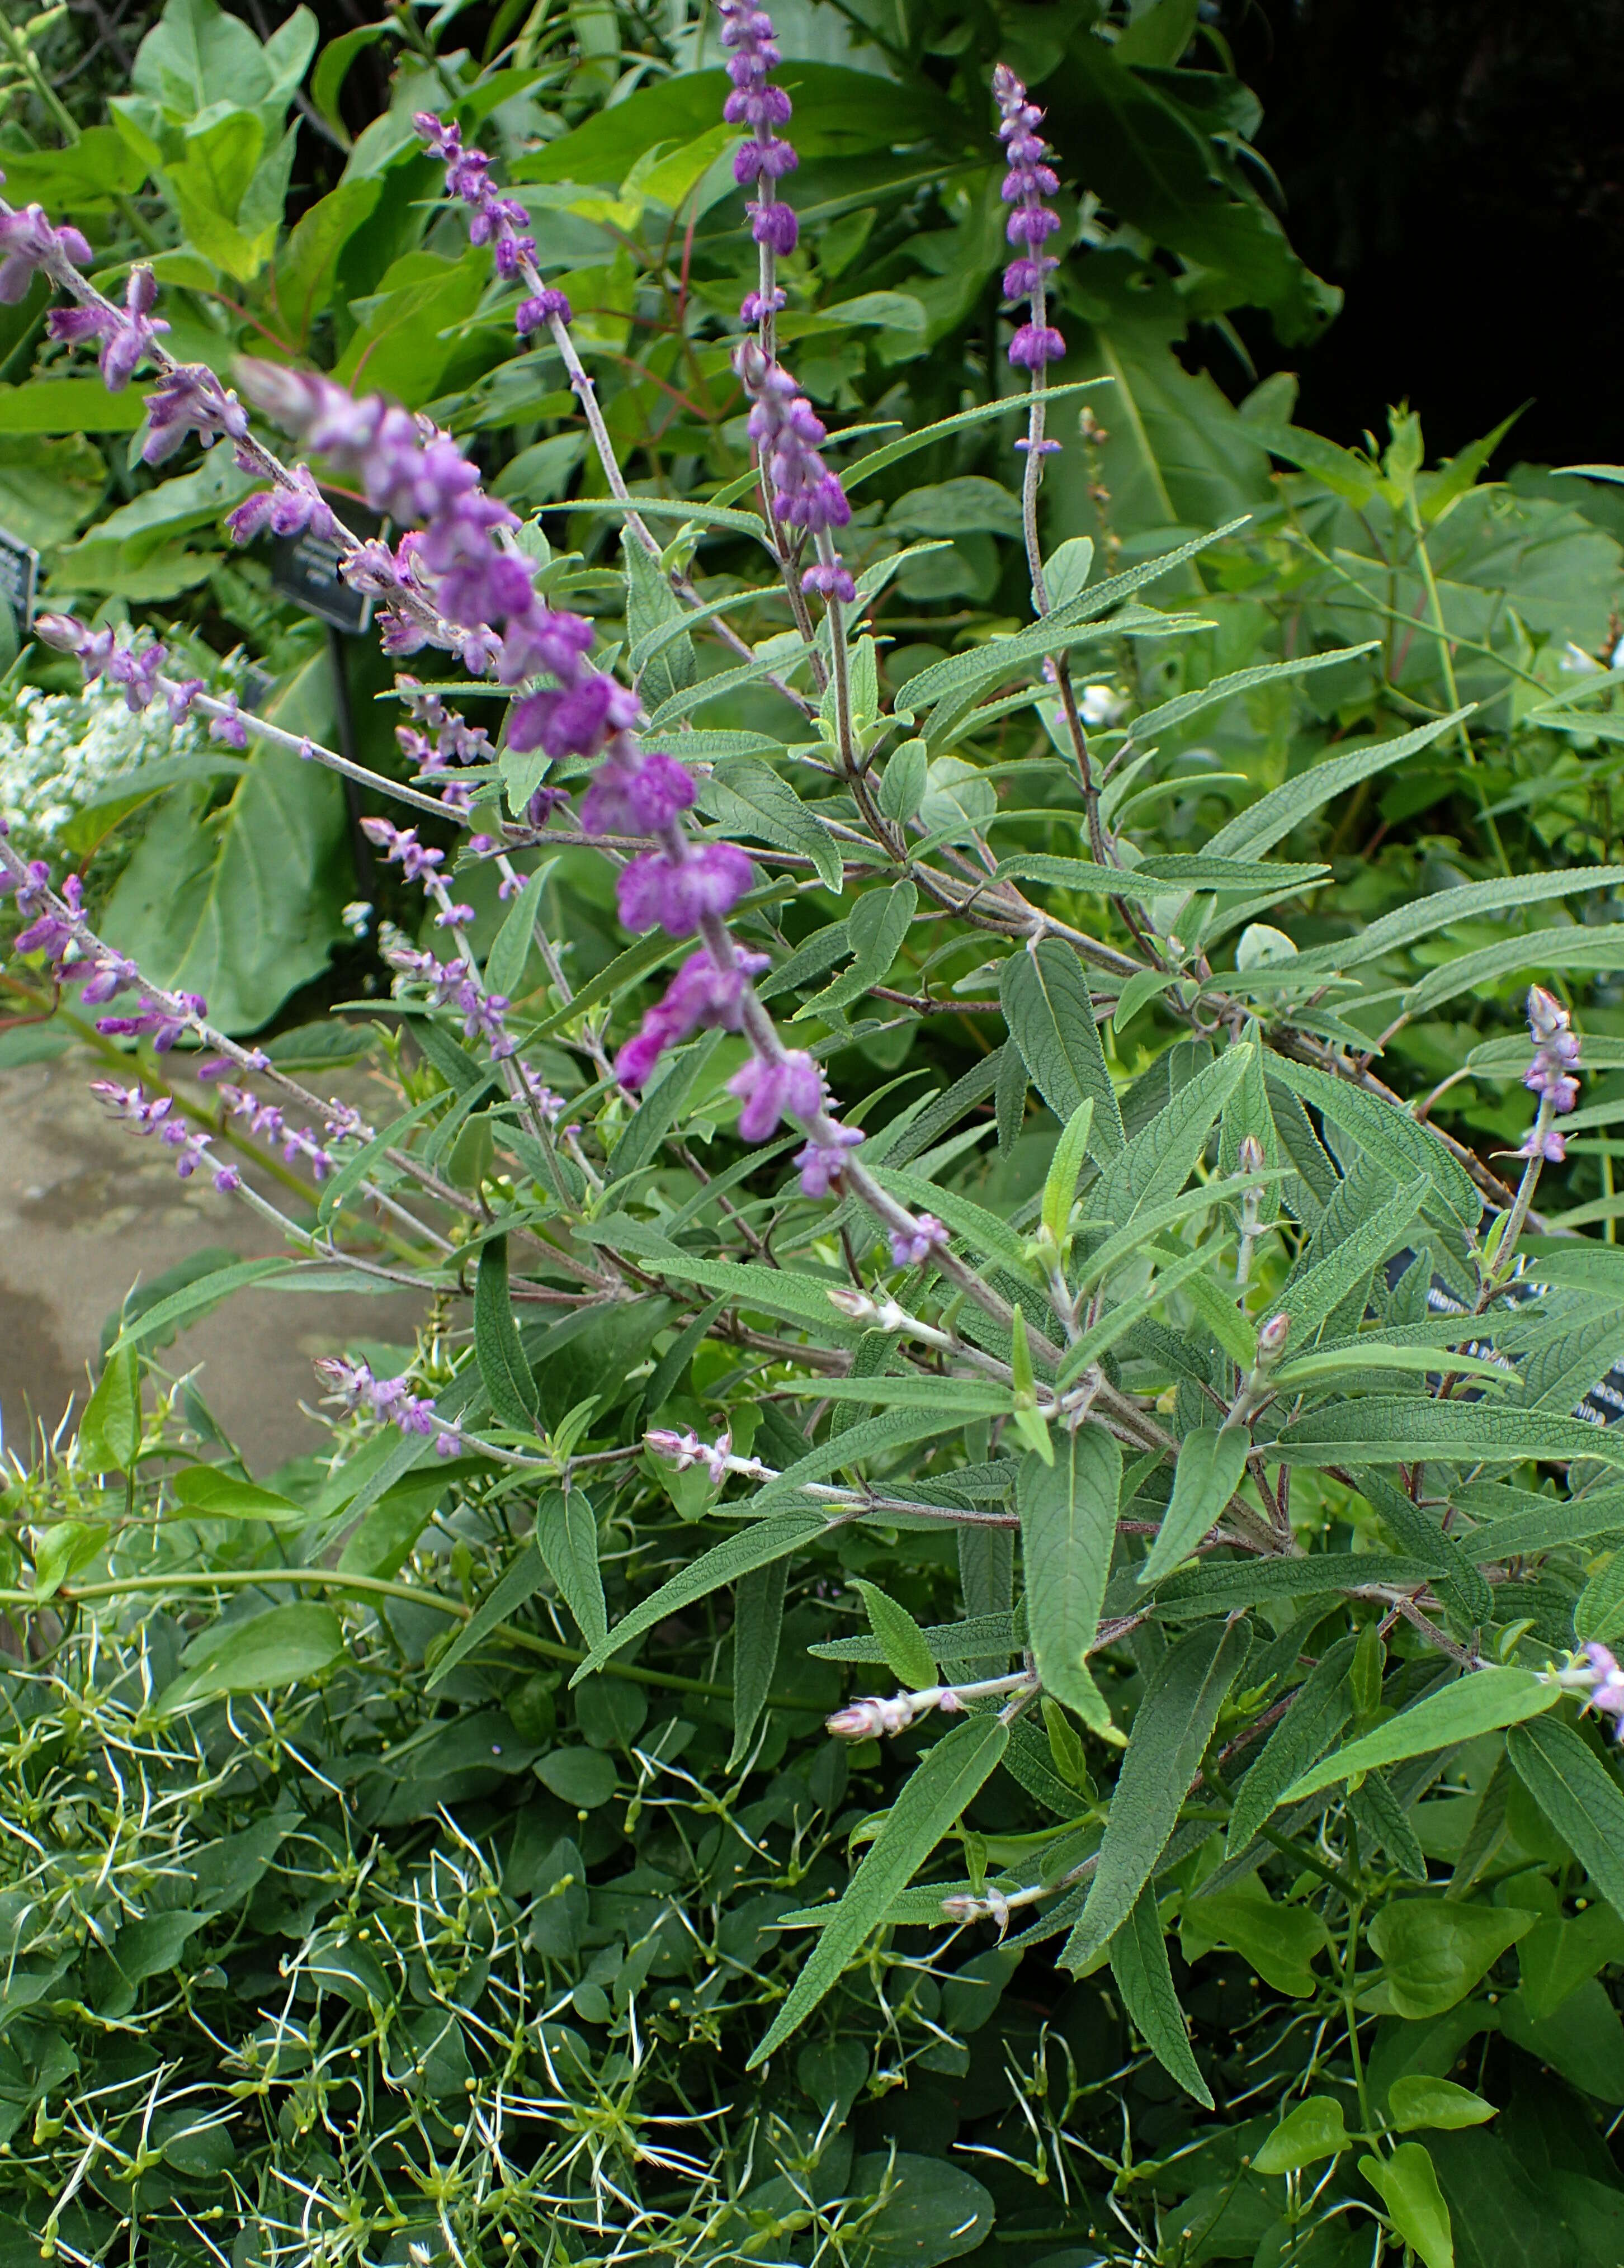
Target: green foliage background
(334, 1943)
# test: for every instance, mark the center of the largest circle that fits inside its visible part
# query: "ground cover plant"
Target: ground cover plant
(978, 1625)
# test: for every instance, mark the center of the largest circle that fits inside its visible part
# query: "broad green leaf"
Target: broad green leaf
(1309, 1298)
(1144, 1977)
(1060, 1183)
(1313, 2131)
(1389, 1137)
(1068, 1527)
(205, 1492)
(64, 1551)
(947, 1777)
(907, 1654)
(110, 1429)
(566, 1536)
(207, 1292)
(1433, 1950)
(746, 796)
(1248, 1582)
(1384, 1431)
(1212, 1462)
(1265, 822)
(1281, 1942)
(1171, 1733)
(757, 1623)
(1169, 714)
(1573, 946)
(1417, 2099)
(1156, 1165)
(506, 1373)
(1578, 1795)
(262, 1654)
(737, 1555)
(514, 1587)
(1408, 2187)
(1485, 1701)
(1468, 901)
(874, 931)
(1047, 1007)
(505, 964)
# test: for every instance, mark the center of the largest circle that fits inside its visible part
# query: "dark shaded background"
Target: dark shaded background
(1459, 169)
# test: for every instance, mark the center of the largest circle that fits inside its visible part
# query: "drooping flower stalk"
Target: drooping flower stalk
(1549, 1075)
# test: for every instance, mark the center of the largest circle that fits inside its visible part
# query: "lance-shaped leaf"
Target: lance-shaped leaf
(1389, 1137)
(1317, 1713)
(874, 931)
(1144, 1976)
(1164, 1751)
(945, 1780)
(1258, 830)
(1578, 1795)
(1212, 1461)
(1419, 918)
(1068, 1526)
(907, 1653)
(1159, 1161)
(1382, 1430)
(1169, 714)
(1485, 1701)
(1047, 1007)
(753, 1547)
(1248, 1582)
(515, 1587)
(757, 1625)
(503, 1370)
(566, 1536)
(1313, 1295)
(1060, 1183)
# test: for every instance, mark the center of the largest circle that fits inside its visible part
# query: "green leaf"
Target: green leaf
(933, 2211)
(1212, 1462)
(1169, 714)
(1248, 1582)
(513, 1588)
(1160, 1158)
(327, 80)
(1383, 1431)
(1319, 1711)
(737, 1555)
(64, 1549)
(1389, 1137)
(1143, 1225)
(1433, 1950)
(903, 1643)
(1469, 902)
(1377, 1354)
(943, 1782)
(1485, 1701)
(1281, 1942)
(874, 929)
(1060, 1184)
(746, 796)
(110, 1429)
(503, 1370)
(1144, 1977)
(1307, 1299)
(947, 688)
(661, 1107)
(262, 1655)
(1116, 1322)
(1313, 2131)
(1416, 2098)
(1268, 821)
(758, 1625)
(987, 1231)
(245, 907)
(504, 964)
(1170, 1736)
(206, 1492)
(1579, 1796)
(70, 405)
(1046, 1004)
(1068, 1529)
(566, 1536)
(193, 1299)
(664, 663)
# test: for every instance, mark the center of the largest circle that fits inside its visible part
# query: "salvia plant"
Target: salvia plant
(1149, 1499)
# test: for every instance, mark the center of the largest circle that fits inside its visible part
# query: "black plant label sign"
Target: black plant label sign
(20, 568)
(305, 567)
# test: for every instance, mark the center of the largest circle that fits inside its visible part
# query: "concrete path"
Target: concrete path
(87, 1208)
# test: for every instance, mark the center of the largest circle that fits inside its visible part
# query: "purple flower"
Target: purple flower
(1543, 1141)
(699, 996)
(401, 844)
(1031, 222)
(658, 892)
(541, 309)
(125, 336)
(285, 510)
(496, 220)
(909, 1248)
(823, 1163)
(575, 722)
(27, 243)
(747, 31)
(1550, 1073)
(788, 433)
(229, 727)
(149, 1114)
(636, 796)
(793, 1084)
(189, 400)
(775, 225)
(543, 638)
(833, 580)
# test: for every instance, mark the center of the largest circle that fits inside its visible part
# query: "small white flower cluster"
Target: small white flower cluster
(60, 752)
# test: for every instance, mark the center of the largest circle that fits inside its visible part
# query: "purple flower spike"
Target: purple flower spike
(788, 433)
(1550, 1074)
(1029, 180)
(823, 1163)
(28, 243)
(909, 1250)
(495, 220)
(636, 797)
(190, 399)
(541, 309)
(700, 997)
(768, 1090)
(126, 337)
(658, 892)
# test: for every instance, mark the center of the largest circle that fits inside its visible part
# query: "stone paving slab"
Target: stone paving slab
(87, 1208)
